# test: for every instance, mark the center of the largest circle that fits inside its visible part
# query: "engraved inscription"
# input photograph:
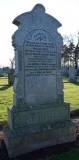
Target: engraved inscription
(41, 116)
(40, 55)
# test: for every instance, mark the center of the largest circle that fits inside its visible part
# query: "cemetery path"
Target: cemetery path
(42, 153)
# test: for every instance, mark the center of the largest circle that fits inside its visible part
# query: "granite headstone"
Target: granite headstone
(39, 116)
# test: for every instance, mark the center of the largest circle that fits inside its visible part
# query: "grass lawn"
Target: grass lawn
(71, 95)
(71, 155)
(6, 98)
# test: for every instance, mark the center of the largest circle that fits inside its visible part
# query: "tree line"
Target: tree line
(70, 50)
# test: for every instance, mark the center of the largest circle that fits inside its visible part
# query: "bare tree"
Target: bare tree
(12, 63)
(77, 51)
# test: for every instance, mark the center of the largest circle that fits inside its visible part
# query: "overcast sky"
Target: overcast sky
(65, 11)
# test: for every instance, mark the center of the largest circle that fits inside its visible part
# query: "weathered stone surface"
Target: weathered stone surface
(19, 118)
(37, 56)
(24, 140)
(39, 116)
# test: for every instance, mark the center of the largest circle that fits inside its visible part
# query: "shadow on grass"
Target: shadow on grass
(2, 124)
(76, 83)
(5, 87)
(65, 79)
(74, 113)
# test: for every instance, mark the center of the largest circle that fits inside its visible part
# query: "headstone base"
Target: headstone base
(24, 140)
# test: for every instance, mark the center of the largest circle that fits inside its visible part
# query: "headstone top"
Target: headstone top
(35, 15)
(39, 8)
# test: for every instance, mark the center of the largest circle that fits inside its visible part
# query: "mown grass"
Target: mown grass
(71, 95)
(6, 94)
(71, 155)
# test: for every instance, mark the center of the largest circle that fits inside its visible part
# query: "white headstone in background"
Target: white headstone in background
(39, 115)
(72, 74)
(65, 71)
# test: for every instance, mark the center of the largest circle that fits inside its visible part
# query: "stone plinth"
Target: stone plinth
(27, 139)
(37, 115)
(30, 129)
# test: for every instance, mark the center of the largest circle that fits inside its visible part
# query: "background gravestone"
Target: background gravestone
(11, 77)
(72, 74)
(1, 72)
(65, 71)
(39, 116)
